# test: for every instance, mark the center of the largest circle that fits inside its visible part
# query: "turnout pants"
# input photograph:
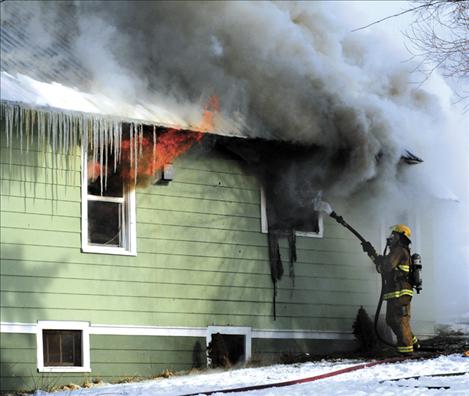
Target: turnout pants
(398, 319)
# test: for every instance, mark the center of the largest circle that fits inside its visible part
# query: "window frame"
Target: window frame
(84, 327)
(265, 224)
(128, 201)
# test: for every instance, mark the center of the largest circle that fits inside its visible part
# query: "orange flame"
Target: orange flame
(163, 148)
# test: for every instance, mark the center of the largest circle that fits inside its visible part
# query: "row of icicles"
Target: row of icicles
(62, 131)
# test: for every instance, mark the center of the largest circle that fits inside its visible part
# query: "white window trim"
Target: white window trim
(131, 238)
(232, 330)
(265, 225)
(64, 325)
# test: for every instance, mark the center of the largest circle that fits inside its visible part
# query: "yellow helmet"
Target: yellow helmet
(402, 229)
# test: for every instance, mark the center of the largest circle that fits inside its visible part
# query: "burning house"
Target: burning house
(146, 219)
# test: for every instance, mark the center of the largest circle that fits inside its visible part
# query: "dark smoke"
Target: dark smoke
(284, 71)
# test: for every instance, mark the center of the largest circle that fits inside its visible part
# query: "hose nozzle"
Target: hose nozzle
(320, 205)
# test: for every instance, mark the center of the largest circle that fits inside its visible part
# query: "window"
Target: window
(236, 344)
(108, 208)
(310, 226)
(63, 346)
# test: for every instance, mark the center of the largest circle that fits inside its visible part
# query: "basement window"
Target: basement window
(228, 346)
(108, 208)
(63, 346)
(312, 226)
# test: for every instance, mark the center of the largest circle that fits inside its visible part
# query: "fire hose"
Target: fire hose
(303, 380)
(320, 205)
(342, 222)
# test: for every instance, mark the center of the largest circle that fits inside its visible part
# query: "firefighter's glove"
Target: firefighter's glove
(369, 250)
(379, 260)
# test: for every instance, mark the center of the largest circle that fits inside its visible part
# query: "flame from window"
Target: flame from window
(143, 154)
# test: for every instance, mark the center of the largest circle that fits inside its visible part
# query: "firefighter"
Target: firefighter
(394, 267)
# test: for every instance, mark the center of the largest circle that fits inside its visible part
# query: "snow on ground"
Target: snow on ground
(367, 381)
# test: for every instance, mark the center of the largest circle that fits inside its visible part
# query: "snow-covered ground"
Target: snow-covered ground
(367, 381)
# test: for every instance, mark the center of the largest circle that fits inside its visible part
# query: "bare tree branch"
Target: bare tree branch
(388, 17)
(439, 36)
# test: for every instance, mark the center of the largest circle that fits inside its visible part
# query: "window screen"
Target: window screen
(62, 347)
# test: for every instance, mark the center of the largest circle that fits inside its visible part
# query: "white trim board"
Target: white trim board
(103, 329)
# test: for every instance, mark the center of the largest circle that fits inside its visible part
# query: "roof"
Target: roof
(38, 72)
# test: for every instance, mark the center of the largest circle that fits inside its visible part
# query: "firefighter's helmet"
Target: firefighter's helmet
(402, 229)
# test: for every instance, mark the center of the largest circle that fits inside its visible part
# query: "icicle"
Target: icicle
(9, 128)
(20, 127)
(76, 122)
(106, 148)
(141, 140)
(136, 139)
(131, 140)
(39, 138)
(111, 138)
(63, 131)
(55, 137)
(120, 142)
(94, 132)
(116, 144)
(48, 131)
(73, 125)
(154, 150)
(59, 131)
(83, 125)
(28, 127)
(100, 148)
(15, 120)
(68, 127)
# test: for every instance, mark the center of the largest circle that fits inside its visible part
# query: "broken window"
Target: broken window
(108, 206)
(228, 346)
(300, 221)
(226, 350)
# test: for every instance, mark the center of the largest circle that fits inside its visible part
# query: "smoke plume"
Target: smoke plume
(285, 71)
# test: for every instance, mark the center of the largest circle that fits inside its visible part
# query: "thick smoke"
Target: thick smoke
(288, 71)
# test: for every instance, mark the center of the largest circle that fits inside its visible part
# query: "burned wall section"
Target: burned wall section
(291, 175)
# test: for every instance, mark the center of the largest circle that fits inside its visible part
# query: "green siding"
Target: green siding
(199, 245)
(113, 358)
(201, 260)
